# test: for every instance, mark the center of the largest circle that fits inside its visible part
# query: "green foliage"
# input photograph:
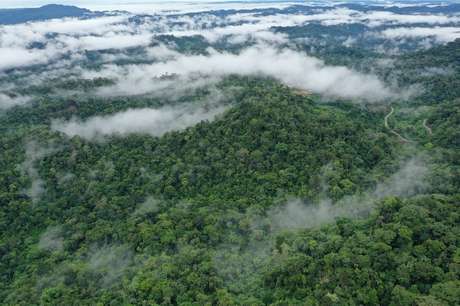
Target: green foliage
(186, 218)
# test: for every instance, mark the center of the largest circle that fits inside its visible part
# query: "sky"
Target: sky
(146, 5)
(34, 3)
(96, 3)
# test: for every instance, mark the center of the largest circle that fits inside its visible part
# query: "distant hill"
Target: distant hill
(451, 8)
(14, 16)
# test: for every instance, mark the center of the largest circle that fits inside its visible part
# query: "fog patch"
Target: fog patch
(110, 263)
(293, 68)
(436, 71)
(51, 239)
(259, 30)
(130, 82)
(240, 267)
(242, 263)
(18, 57)
(151, 205)
(109, 41)
(155, 122)
(242, 259)
(378, 18)
(64, 178)
(259, 37)
(71, 36)
(34, 152)
(349, 42)
(441, 34)
(409, 180)
(7, 101)
(179, 7)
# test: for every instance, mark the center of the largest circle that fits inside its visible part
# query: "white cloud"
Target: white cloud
(110, 261)
(293, 68)
(176, 7)
(34, 152)
(96, 25)
(20, 35)
(161, 53)
(15, 39)
(51, 239)
(240, 24)
(441, 34)
(111, 41)
(409, 180)
(72, 36)
(7, 101)
(151, 205)
(249, 24)
(155, 122)
(378, 18)
(18, 57)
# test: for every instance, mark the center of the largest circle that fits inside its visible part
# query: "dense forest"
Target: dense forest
(249, 191)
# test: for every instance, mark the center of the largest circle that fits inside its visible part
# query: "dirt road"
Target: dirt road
(391, 130)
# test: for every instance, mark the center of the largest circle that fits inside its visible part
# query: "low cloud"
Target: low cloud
(441, 34)
(72, 35)
(155, 122)
(61, 44)
(51, 239)
(378, 18)
(179, 7)
(111, 41)
(66, 36)
(34, 152)
(241, 264)
(151, 205)
(22, 34)
(7, 101)
(409, 180)
(292, 68)
(110, 262)
(245, 23)
(18, 57)
(136, 80)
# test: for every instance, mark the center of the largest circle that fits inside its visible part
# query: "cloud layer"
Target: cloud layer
(292, 68)
(119, 30)
(6, 101)
(409, 180)
(154, 122)
(132, 49)
(441, 34)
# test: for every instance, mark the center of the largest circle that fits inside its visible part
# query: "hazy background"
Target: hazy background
(95, 3)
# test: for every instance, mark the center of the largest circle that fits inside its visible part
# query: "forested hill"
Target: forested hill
(171, 219)
(439, 85)
(235, 153)
(15, 16)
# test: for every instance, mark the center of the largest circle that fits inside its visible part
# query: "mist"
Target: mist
(293, 68)
(155, 122)
(7, 101)
(34, 152)
(241, 265)
(117, 31)
(150, 205)
(110, 262)
(409, 180)
(51, 239)
(441, 34)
